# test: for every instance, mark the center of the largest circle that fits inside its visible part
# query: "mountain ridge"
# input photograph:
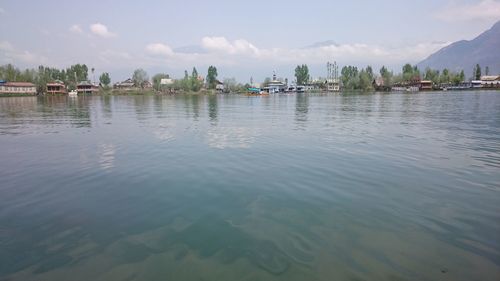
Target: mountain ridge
(465, 54)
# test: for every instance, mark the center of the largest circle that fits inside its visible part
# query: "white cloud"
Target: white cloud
(221, 51)
(159, 49)
(221, 44)
(12, 55)
(101, 30)
(483, 10)
(75, 28)
(6, 46)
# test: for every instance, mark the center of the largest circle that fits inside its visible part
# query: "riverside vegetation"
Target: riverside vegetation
(351, 78)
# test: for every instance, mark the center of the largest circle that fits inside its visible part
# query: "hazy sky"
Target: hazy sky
(242, 38)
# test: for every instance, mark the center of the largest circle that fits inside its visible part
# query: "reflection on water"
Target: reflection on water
(285, 187)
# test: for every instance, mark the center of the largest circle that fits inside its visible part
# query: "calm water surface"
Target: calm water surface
(289, 187)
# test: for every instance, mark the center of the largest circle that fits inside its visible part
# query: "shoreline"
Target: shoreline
(213, 92)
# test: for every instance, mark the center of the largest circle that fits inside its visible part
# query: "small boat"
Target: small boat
(256, 92)
(73, 93)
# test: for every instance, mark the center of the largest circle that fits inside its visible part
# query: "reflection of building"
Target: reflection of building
(56, 87)
(85, 87)
(17, 88)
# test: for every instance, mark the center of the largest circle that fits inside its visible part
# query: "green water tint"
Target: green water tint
(285, 187)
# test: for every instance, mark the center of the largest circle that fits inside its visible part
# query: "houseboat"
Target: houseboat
(17, 88)
(275, 86)
(253, 91)
(56, 88)
(85, 87)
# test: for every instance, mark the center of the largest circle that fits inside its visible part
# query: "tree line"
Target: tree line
(351, 77)
(42, 75)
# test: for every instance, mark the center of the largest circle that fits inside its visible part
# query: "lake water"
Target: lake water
(285, 187)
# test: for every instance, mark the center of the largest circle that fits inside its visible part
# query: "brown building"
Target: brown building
(56, 88)
(85, 87)
(128, 84)
(425, 85)
(21, 88)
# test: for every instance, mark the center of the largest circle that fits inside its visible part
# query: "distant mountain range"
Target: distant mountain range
(464, 55)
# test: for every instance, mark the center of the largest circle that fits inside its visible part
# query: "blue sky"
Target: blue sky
(242, 38)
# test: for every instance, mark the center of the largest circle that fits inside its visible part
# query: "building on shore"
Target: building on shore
(426, 85)
(126, 85)
(56, 88)
(332, 81)
(85, 87)
(20, 88)
(490, 81)
(275, 86)
(219, 86)
(146, 85)
(166, 81)
(380, 85)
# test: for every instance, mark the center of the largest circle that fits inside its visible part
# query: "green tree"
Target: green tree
(410, 73)
(386, 76)
(431, 75)
(194, 73)
(365, 80)
(104, 79)
(139, 77)
(445, 76)
(349, 75)
(212, 77)
(462, 76)
(157, 80)
(196, 84)
(369, 71)
(231, 84)
(455, 78)
(302, 74)
(477, 72)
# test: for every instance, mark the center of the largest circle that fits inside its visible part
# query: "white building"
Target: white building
(166, 81)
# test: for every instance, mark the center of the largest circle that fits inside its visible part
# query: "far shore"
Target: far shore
(151, 92)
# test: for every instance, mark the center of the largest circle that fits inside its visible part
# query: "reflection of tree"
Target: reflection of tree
(79, 111)
(158, 106)
(212, 108)
(301, 107)
(60, 107)
(141, 107)
(106, 107)
(195, 102)
(17, 107)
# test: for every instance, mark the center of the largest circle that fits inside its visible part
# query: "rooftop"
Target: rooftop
(19, 84)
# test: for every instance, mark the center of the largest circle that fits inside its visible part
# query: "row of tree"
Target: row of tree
(43, 75)
(351, 77)
(74, 74)
(190, 83)
(354, 79)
